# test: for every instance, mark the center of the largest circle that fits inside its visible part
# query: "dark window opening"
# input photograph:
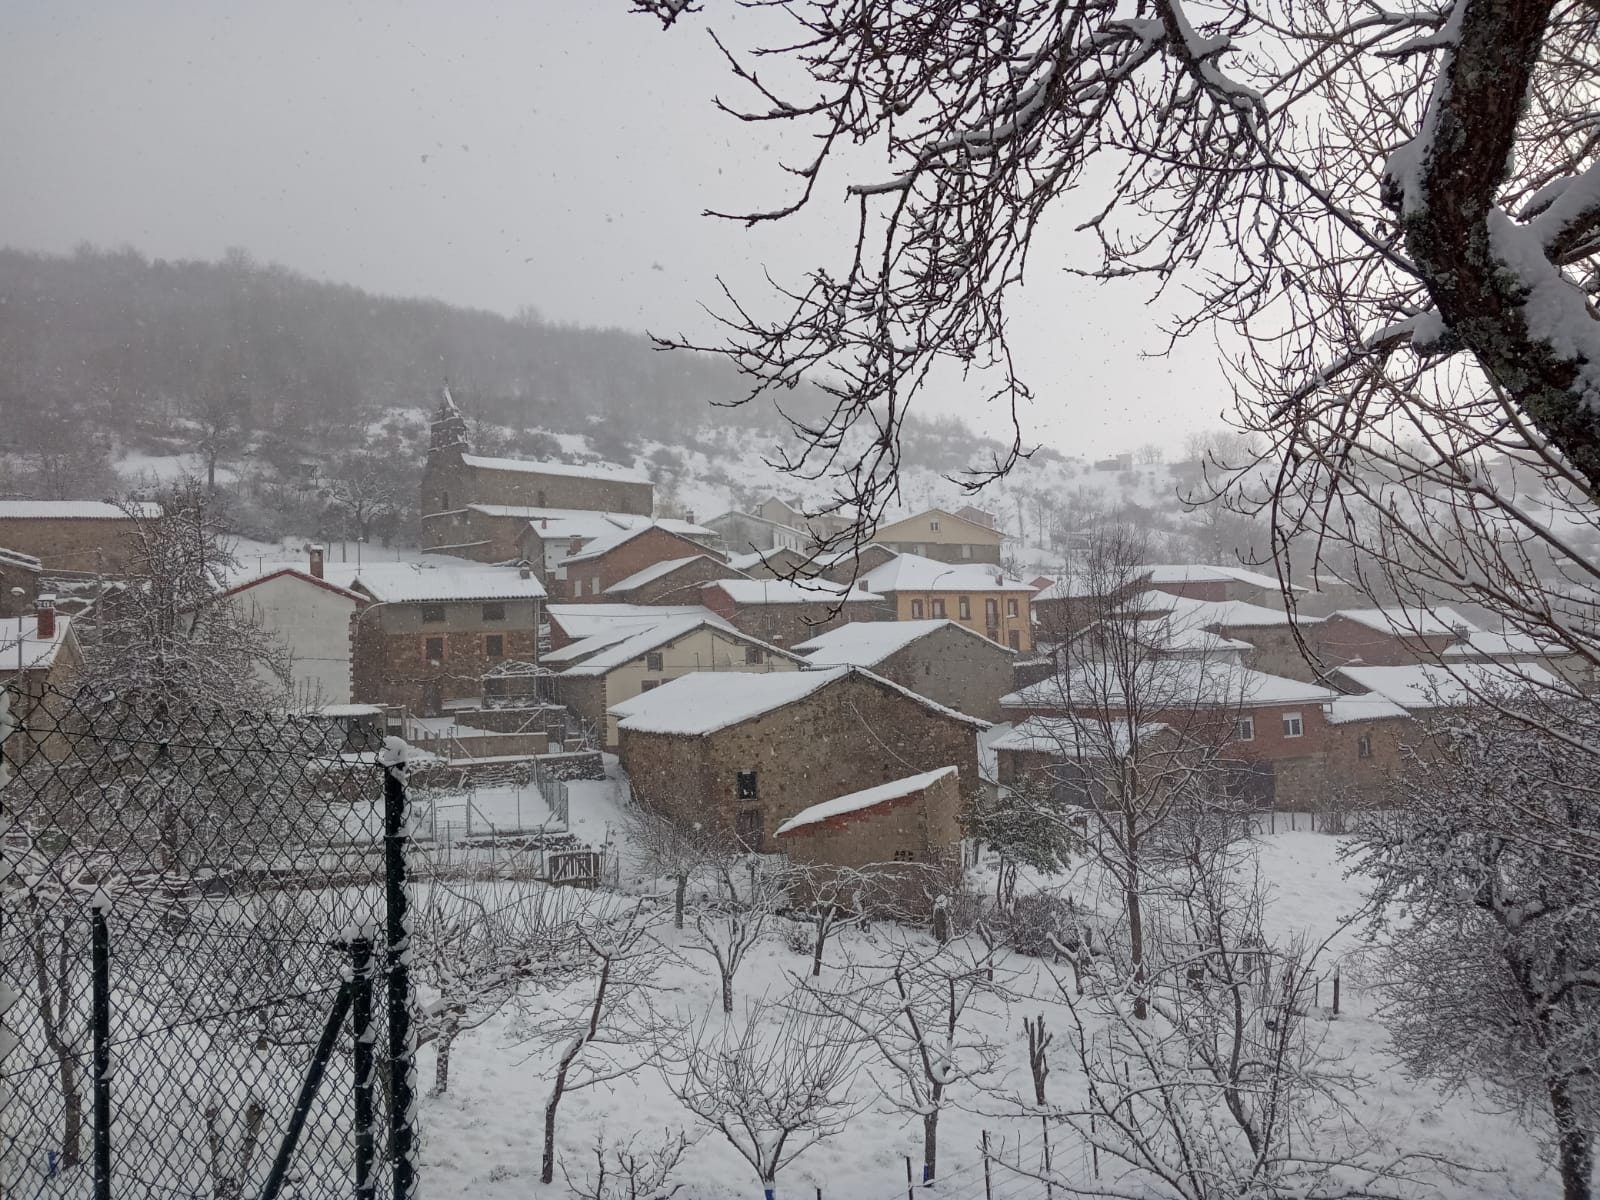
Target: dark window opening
(494, 612)
(1364, 746)
(433, 650)
(904, 856)
(745, 785)
(753, 655)
(747, 827)
(494, 645)
(1014, 640)
(652, 661)
(1011, 608)
(494, 687)
(433, 613)
(916, 610)
(649, 685)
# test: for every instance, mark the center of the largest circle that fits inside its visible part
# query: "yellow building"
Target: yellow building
(975, 595)
(945, 536)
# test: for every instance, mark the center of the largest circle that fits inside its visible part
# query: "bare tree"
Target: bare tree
(625, 1171)
(774, 1083)
(614, 1032)
(218, 416)
(1366, 199)
(916, 1009)
(368, 490)
(670, 849)
(728, 928)
(832, 899)
(1485, 863)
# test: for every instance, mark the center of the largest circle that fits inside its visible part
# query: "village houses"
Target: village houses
(946, 662)
(975, 595)
(943, 536)
(312, 615)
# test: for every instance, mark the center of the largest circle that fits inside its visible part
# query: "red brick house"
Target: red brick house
(671, 581)
(1387, 637)
(788, 611)
(604, 561)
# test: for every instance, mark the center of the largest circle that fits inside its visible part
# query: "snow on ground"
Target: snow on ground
(482, 1140)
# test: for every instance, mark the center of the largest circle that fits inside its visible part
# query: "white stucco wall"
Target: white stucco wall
(314, 623)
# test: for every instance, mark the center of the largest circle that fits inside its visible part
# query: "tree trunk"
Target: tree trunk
(816, 949)
(930, 1145)
(441, 1061)
(677, 900)
(1141, 1008)
(53, 1019)
(1574, 1146)
(547, 1164)
(727, 992)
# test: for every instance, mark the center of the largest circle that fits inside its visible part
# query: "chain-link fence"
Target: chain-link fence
(202, 968)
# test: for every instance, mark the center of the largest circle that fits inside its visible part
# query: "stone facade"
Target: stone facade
(589, 577)
(393, 646)
(854, 733)
(956, 668)
(454, 479)
(18, 571)
(789, 624)
(90, 545)
(898, 841)
(474, 534)
(1339, 641)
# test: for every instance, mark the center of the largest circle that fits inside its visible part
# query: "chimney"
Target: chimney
(45, 610)
(316, 561)
(525, 573)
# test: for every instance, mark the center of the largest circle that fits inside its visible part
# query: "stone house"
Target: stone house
(604, 561)
(973, 594)
(312, 616)
(1387, 637)
(942, 536)
(656, 656)
(786, 612)
(1269, 633)
(671, 581)
(771, 563)
(547, 536)
(893, 833)
(1197, 581)
(19, 573)
(745, 753)
(850, 564)
(743, 532)
(946, 662)
(570, 624)
(433, 631)
(86, 537)
(39, 660)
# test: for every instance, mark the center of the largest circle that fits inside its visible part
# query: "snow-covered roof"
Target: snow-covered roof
(399, 583)
(1171, 634)
(1067, 587)
(21, 647)
(755, 558)
(346, 710)
(707, 701)
(248, 577)
(1480, 644)
(791, 591)
(1072, 738)
(613, 472)
(1170, 683)
(867, 798)
(656, 571)
(643, 641)
(868, 643)
(70, 510)
(1209, 573)
(1369, 706)
(585, 620)
(1407, 620)
(1224, 614)
(1428, 685)
(914, 573)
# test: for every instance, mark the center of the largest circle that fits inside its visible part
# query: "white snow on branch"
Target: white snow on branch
(1555, 309)
(1404, 170)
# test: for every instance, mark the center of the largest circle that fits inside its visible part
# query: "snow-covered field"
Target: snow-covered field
(483, 1139)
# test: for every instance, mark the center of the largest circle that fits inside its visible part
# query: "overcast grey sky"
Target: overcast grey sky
(555, 153)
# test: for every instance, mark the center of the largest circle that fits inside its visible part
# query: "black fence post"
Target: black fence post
(365, 1059)
(402, 1037)
(308, 1092)
(100, 1019)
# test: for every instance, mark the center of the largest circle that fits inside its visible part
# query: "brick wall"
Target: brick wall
(15, 575)
(1275, 651)
(850, 735)
(925, 824)
(1339, 641)
(83, 544)
(789, 624)
(449, 483)
(677, 587)
(588, 579)
(956, 669)
(474, 535)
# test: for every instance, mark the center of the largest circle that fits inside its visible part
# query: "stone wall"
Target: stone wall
(449, 483)
(574, 764)
(589, 578)
(790, 624)
(88, 544)
(849, 735)
(389, 664)
(677, 587)
(958, 670)
(1340, 641)
(1275, 651)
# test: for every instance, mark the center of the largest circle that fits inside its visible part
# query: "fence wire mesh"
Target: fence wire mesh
(232, 867)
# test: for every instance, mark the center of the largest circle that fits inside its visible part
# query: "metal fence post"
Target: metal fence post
(402, 1037)
(364, 1062)
(100, 1018)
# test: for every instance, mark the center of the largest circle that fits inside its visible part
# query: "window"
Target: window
(540, 498)
(933, 525)
(1364, 746)
(1244, 729)
(964, 607)
(1293, 726)
(745, 786)
(747, 827)
(652, 661)
(966, 552)
(916, 610)
(433, 650)
(937, 608)
(433, 614)
(444, 501)
(753, 656)
(920, 549)
(1011, 608)
(1014, 639)
(991, 612)
(649, 685)
(594, 586)
(494, 612)
(904, 856)
(494, 645)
